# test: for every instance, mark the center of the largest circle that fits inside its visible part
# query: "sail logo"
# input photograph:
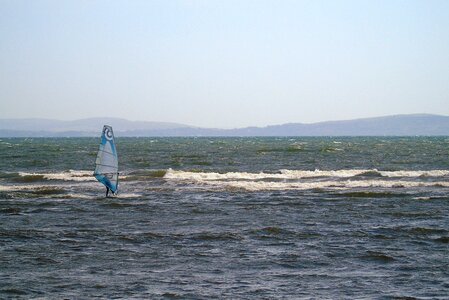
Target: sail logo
(108, 133)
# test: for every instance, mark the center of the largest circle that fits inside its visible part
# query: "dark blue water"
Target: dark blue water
(251, 218)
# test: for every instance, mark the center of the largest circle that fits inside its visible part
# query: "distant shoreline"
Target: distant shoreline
(397, 125)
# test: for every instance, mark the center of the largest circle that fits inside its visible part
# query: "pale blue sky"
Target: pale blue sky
(223, 63)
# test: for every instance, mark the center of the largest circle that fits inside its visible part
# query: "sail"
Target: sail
(106, 170)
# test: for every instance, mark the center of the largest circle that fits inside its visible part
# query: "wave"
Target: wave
(216, 236)
(299, 174)
(86, 191)
(139, 175)
(28, 178)
(260, 185)
(377, 256)
(10, 210)
(198, 175)
(368, 194)
(70, 175)
(76, 175)
(68, 181)
(301, 180)
(31, 177)
(43, 191)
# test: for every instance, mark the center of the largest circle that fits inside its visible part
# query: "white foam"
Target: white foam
(71, 175)
(15, 188)
(47, 185)
(80, 196)
(303, 180)
(296, 174)
(9, 188)
(262, 185)
(430, 173)
(127, 195)
(283, 174)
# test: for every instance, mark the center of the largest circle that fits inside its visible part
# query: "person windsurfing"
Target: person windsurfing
(106, 164)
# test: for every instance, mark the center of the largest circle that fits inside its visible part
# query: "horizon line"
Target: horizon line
(249, 126)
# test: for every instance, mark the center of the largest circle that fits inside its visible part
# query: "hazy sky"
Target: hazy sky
(223, 63)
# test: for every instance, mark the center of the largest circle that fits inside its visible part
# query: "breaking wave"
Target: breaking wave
(299, 174)
(70, 175)
(64, 183)
(306, 180)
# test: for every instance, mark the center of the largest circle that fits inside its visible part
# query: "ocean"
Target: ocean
(226, 218)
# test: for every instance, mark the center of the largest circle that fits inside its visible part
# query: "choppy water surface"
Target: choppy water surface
(250, 218)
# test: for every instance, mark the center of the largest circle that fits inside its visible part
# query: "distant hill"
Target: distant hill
(398, 125)
(82, 127)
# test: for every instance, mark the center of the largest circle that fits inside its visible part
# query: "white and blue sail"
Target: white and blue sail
(106, 170)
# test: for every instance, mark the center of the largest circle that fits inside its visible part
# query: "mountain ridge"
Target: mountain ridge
(394, 125)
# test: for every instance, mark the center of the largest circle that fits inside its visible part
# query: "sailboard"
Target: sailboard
(106, 169)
